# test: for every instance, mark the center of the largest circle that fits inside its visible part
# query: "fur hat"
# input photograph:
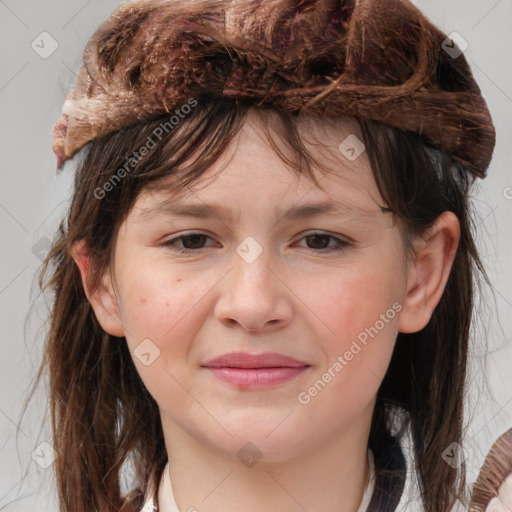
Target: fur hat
(377, 60)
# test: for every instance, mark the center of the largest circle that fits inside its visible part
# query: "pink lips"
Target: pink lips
(252, 371)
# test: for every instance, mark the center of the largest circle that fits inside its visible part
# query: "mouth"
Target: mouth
(251, 371)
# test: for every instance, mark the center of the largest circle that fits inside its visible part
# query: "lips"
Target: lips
(255, 371)
(245, 360)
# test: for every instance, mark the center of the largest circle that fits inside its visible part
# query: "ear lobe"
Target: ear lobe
(103, 299)
(428, 274)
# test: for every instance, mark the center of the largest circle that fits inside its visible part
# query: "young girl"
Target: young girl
(206, 351)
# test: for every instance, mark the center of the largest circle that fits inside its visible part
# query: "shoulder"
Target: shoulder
(502, 502)
(492, 491)
(150, 500)
(149, 505)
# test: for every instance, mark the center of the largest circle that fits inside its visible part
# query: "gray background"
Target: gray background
(33, 197)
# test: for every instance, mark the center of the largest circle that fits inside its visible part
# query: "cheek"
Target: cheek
(362, 318)
(167, 311)
(353, 302)
(163, 308)
(361, 310)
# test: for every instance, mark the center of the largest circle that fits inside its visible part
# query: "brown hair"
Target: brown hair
(102, 415)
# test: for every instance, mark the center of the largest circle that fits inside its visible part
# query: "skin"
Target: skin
(291, 300)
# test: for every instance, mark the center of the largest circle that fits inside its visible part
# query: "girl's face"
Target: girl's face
(254, 268)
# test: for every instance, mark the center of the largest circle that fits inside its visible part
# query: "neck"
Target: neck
(332, 477)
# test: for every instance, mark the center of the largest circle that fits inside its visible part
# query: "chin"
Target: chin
(267, 442)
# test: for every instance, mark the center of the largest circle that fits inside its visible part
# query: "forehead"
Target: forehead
(251, 170)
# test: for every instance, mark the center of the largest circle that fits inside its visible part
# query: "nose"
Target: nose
(254, 296)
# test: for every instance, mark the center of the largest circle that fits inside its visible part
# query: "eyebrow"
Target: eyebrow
(298, 212)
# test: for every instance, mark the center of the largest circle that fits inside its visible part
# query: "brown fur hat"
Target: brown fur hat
(380, 60)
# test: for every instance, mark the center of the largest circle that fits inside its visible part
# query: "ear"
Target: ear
(428, 274)
(103, 299)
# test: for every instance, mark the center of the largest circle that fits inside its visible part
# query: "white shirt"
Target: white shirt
(167, 503)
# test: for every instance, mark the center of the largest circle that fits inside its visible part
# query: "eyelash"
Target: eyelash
(342, 244)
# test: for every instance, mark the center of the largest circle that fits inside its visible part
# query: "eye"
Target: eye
(194, 242)
(191, 242)
(320, 242)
